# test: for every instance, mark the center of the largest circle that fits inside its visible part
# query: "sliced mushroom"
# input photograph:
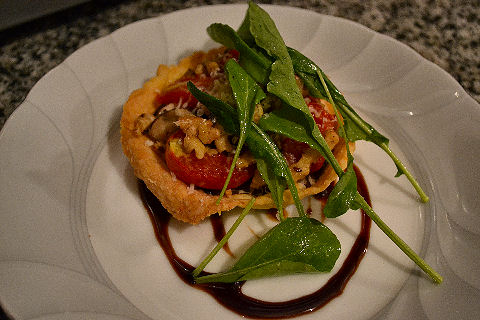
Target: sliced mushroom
(165, 125)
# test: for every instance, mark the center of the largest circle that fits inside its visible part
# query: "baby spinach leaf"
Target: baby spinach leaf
(295, 245)
(247, 94)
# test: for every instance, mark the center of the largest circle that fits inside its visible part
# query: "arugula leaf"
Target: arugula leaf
(356, 128)
(225, 113)
(283, 84)
(276, 184)
(295, 245)
(293, 124)
(343, 195)
(263, 147)
(290, 124)
(256, 64)
(307, 69)
(282, 78)
(247, 94)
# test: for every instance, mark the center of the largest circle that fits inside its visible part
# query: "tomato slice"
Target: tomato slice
(324, 120)
(181, 93)
(210, 172)
(292, 150)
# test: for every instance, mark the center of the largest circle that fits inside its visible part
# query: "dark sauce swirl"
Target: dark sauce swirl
(230, 294)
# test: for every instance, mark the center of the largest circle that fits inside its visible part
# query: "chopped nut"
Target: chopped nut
(199, 69)
(212, 68)
(223, 144)
(201, 131)
(301, 169)
(207, 133)
(194, 144)
(257, 181)
(245, 160)
(258, 113)
(143, 122)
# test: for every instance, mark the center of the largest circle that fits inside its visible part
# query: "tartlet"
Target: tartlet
(185, 201)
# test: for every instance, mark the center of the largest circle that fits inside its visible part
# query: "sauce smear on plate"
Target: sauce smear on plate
(230, 294)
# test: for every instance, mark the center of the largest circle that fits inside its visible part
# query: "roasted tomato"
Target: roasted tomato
(210, 172)
(293, 150)
(181, 95)
(325, 120)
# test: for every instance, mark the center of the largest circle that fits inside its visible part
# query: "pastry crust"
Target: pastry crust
(183, 201)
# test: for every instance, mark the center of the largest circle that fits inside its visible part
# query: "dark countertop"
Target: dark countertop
(445, 32)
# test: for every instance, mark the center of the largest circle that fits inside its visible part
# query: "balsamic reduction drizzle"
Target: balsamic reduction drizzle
(230, 294)
(219, 232)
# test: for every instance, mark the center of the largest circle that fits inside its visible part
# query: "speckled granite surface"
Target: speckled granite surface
(445, 32)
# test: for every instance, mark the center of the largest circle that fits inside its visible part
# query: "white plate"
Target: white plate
(76, 242)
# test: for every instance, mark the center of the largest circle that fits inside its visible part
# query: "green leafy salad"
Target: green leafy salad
(267, 66)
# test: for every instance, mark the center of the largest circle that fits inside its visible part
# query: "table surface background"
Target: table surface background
(444, 32)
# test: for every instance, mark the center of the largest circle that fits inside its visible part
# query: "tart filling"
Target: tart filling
(183, 155)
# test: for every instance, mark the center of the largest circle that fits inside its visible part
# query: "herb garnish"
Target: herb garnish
(267, 60)
(356, 127)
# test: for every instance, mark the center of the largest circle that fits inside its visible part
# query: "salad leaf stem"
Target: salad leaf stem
(402, 169)
(384, 146)
(342, 197)
(247, 94)
(224, 240)
(437, 278)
